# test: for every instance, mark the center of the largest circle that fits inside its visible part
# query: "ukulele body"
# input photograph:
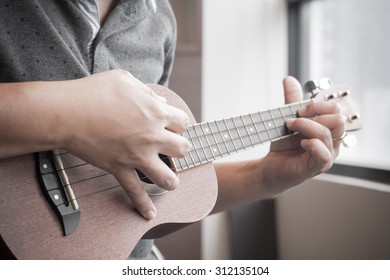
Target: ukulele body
(109, 226)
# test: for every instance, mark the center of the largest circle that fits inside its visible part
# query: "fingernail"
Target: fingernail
(150, 215)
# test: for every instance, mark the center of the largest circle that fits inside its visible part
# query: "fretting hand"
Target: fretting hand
(294, 159)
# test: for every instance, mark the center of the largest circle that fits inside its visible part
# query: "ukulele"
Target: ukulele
(55, 206)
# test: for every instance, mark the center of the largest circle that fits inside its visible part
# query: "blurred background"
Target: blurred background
(231, 58)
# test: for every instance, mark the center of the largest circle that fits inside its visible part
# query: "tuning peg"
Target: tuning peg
(349, 141)
(313, 86)
(324, 83)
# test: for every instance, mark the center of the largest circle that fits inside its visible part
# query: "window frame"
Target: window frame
(298, 66)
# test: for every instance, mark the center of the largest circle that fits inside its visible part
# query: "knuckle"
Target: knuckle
(159, 112)
(150, 139)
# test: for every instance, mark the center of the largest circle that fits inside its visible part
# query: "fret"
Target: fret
(292, 110)
(285, 131)
(186, 162)
(182, 161)
(277, 117)
(189, 161)
(247, 131)
(195, 144)
(275, 125)
(288, 113)
(255, 127)
(186, 135)
(265, 126)
(220, 132)
(190, 153)
(271, 125)
(239, 134)
(182, 166)
(205, 130)
(227, 135)
(216, 148)
(285, 111)
(260, 125)
(177, 163)
(296, 106)
(250, 128)
(201, 146)
(279, 121)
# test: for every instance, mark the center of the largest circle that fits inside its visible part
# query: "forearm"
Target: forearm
(239, 183)
(30, 117)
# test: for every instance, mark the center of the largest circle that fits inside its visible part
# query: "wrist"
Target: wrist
(49, 100)
(264, 178)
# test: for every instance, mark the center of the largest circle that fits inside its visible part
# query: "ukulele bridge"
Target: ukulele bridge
(56, 187)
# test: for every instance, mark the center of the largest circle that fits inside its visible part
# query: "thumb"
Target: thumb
(292, 90)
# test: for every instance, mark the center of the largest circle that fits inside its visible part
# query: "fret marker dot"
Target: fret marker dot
(56, 197)
(251, 129)
(226, 136)
(270, 124)
(215, 149)
(206, 129)
(44, 166)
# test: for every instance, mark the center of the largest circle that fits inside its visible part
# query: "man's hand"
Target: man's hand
(118, 124)
(294, 159)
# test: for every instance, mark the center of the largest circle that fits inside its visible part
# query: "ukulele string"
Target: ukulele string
(86, 195)
(193, 139)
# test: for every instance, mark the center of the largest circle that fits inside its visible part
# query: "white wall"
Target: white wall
(334, 217)
(244, 62)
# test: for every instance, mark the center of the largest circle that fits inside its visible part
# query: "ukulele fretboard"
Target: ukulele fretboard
(217, 139)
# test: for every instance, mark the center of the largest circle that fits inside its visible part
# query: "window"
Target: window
(349, 42)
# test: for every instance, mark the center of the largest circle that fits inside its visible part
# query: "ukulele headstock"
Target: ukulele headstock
(322, 91)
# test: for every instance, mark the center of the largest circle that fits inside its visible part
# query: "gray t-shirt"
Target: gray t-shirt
(43, 40)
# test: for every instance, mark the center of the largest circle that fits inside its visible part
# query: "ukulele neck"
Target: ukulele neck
(221, 138)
